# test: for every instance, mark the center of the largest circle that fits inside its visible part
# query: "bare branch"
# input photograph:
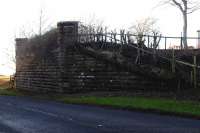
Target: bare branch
(192, 7)
(193, 10)
(179, 5)
(161, 3)
(186, 7)
(144, 27)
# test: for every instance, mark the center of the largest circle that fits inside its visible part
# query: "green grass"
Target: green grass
(10, 92)
(161, 105)
(157, 104)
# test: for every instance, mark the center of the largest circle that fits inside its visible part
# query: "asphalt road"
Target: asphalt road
(25, 115)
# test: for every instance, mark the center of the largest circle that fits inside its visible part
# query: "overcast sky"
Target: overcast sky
(23, 15)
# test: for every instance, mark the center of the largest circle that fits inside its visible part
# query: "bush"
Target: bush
(42, 46)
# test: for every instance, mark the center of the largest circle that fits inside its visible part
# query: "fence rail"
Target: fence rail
(150, 46)
(165, 42)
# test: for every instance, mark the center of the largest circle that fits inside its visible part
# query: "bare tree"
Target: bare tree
(44, 23)
(10, 55)
(24, 32)
(143, 27)
(41, 26)
(93, 26)
(186, 7)
(92, 30)
(156, 38)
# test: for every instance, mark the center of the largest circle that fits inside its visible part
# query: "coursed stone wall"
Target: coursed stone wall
(70, 68)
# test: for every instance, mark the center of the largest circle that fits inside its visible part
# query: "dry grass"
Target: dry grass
(5, 87)
(4, 81)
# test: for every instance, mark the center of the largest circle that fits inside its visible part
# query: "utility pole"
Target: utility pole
(40, 22)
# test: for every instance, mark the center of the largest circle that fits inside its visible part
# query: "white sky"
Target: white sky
(23, 15)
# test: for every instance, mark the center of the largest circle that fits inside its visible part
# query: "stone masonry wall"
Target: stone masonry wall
(33, 74)
(84, 72)
(71, 69)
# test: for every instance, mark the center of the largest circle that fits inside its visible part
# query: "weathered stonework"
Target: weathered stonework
(73, 69)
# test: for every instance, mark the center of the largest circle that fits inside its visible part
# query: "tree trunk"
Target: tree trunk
(185, 23)
(185, 30)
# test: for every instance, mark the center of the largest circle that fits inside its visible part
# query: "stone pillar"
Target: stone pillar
(20, 51)
(68, 31)
(67, 37)
(19, 56)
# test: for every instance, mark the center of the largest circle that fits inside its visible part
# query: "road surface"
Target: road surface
(26, 115)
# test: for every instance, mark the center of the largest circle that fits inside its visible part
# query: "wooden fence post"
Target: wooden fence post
(128, 37)
(115, 39)
(195, 72)
(173, 62)
(191, 78)
(181, 43)
(137, 60)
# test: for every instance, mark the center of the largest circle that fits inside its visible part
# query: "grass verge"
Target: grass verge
(189, 109)
(10, 92)
(147, 104)
(159, 105)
